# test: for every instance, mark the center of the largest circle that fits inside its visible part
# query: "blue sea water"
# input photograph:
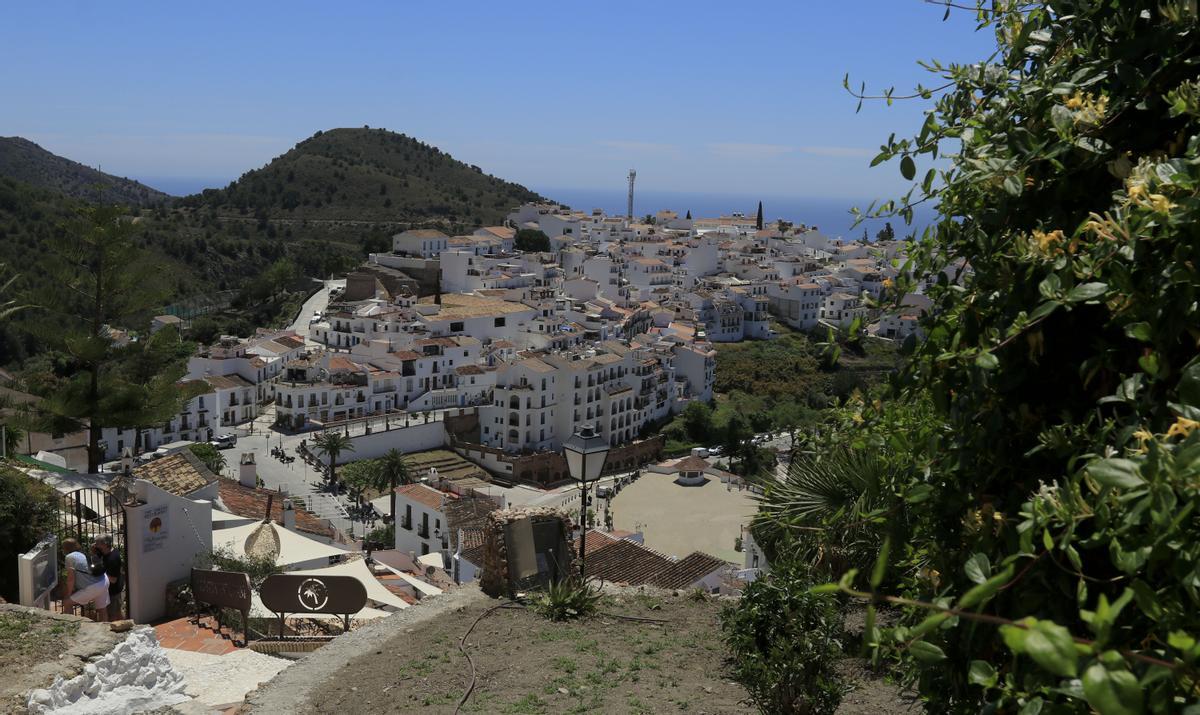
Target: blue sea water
(832, 216)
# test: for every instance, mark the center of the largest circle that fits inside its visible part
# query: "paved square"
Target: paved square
(678, 520)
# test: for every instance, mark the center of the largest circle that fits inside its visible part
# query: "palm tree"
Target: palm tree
(830, 510)
(8, 307)
(332, 444)
(393, 471)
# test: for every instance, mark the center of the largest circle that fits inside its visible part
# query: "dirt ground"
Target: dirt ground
(26, 639)
(527, 664)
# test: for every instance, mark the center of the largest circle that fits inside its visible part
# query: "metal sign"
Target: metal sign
(223, 589)
(298, 594)
(38, 572)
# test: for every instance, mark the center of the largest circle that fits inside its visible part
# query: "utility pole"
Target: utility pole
(629, 206)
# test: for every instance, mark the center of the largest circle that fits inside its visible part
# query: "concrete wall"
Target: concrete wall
(416, 438)
(156, 558)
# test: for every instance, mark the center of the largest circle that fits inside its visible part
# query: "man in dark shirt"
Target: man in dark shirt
(111, 560)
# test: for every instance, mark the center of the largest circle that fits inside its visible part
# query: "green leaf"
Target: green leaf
(927, 652)
(1118, 473)
(881, 563)
(1052, 647)
(1149, 363)
(919, 493)
(985, 590)
(1050, 286)
(987, 361)
(1012, 184)
(982, 673)
(1189, 384)
(1086, 291)
(978, 568)
(1112, 692)
(908, 168)
(1138, 331)
(825, 588)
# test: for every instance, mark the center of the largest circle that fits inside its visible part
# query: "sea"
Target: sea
(831, 215)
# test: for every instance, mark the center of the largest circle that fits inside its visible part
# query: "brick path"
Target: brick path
(184, 634)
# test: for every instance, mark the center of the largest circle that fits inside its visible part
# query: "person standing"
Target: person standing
(110, 563)
(82, 585)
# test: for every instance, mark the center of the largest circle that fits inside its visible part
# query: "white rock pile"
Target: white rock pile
(132, 677)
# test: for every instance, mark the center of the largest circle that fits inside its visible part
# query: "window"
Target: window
(498, 322)
(456, 327)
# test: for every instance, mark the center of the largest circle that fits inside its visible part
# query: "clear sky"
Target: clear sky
(741, 97)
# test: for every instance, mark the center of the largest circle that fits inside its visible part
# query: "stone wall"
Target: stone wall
(549, 469)
(494, 581)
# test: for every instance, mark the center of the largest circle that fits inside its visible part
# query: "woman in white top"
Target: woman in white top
(84, 586)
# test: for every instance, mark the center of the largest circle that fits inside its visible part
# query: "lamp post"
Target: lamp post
(585, 452)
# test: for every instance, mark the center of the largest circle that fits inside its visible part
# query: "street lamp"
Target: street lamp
(585, 452)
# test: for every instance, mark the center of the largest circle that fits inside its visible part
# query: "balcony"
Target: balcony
(423, 531)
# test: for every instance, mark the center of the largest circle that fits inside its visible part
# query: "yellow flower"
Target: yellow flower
(1045, 242)
(1135, 191)
(1076, 101)
(888, 282)
(1182, 427)
(1161, 204)
(1143, 436)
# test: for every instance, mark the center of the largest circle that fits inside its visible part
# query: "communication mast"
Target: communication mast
(632, 176)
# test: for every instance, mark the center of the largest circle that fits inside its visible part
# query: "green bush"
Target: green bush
(27, 513)
(783, 643)
(568, 599)
(1050, 548)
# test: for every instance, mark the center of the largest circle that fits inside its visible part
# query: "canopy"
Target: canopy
(426, 589)
(224, 520)
(358, 569)
(293, 549)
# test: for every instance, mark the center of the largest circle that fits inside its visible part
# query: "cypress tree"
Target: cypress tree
(759, 222)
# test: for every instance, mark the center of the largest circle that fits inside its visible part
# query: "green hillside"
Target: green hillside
(24, 161)
(368, 175)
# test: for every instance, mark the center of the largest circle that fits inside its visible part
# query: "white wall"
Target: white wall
(155, 560)
(418, 437)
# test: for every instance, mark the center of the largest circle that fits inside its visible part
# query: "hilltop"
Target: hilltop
(368, 175)
(24, 161)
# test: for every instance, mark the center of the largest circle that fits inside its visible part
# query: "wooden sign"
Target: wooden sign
(298, 594)
(222, 589)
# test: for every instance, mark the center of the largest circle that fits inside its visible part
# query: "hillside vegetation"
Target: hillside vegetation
(368, 175)
(318, 209)
(24, 161)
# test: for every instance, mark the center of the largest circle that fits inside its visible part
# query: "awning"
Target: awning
(358, 569)
(293, 549)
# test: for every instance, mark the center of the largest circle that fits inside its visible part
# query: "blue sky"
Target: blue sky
(716, 97)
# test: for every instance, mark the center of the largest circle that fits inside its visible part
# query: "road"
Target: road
(315, 304)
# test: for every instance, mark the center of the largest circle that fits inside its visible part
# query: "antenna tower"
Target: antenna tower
(629, 211)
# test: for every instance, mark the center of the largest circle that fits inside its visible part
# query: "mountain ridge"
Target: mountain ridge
(368, 174)
(26, 161)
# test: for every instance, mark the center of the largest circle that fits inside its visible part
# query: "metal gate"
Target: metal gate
(85, 514)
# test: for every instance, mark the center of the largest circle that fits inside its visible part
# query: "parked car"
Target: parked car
(604, 492)
(224, 441)
(316, 317)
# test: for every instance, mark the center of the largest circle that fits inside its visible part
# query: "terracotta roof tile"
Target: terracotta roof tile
(423, 494)
(688, 570)
(181, 473)
(626, 562)
(251, 503)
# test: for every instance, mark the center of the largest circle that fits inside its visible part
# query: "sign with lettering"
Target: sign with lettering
(223, 589)
(227, 589)
(154, 528)
(289, 593)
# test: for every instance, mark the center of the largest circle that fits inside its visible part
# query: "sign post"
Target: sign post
(298, 594)
(223, 589)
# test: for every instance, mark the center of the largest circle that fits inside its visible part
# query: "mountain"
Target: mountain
(370, 175)
(24, 161)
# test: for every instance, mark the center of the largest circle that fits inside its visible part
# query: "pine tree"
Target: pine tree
(759, 222)
(101, 280)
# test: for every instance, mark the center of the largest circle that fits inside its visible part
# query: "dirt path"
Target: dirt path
(527, 664)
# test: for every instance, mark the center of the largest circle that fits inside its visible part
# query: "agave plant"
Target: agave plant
(829, 511)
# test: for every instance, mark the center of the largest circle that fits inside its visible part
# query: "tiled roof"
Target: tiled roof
(626, 562)
(691, 464)
(422, 494)
(473, 546)
(688, 570)
(227, 382)
(251, 503)
(595, 540)
(181, 473)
